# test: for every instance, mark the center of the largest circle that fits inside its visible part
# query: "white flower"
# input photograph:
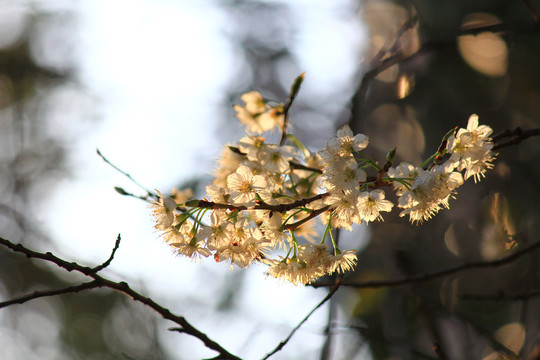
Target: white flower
(471, 149)
(402, 171)
(193, 249)
(481, 132)
(181, 196)
(371, 203)
(430, 192)
(295, 271)
(251, 145)
(255, 113)
(275, 159)
(345, 142)
(271, 228)
(246, 245)
(227, 164)
(163, 212)
(343, 262)
(345, 212)
(217, 194)
(243, 185)
(343, 175)
(219, 233)
(314, 255)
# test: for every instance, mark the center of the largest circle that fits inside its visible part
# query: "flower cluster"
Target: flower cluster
(265, 198)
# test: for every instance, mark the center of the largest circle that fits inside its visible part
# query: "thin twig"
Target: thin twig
(111, 257)
(516, 136)
(327, 346)
(397, 57)
(441, 273)
(124, 288)
(44, 293)
(292, 95)
(312, 215)
(293, 331)
(502, 296)
(532, 10)
(149, 193)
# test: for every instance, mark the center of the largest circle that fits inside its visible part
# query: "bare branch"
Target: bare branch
(516, 136)
(314, 214)
(110, 259)
(532, 10)
(323, 301)
(441, 273)
(44, 293)
(149, 193)
(502, 296)
(124, 288)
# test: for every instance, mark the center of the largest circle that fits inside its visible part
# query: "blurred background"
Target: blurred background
(152, 84)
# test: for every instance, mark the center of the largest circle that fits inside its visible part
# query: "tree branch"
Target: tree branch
(323, 301)
(516, 136)
(261, 206)
(111, 257)
(502, 296)
(148, 192)
(121, 286)
(532, 10)
(44, 293)
(441, 273)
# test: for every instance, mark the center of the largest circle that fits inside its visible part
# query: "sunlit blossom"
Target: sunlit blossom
(243, 185)
(371, 203)
(248, 212)
(163, 211)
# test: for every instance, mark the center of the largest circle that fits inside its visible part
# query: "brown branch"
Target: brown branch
(293, 331)
(441, 273)
(314, 214)
(515, 136)
(45, 293)
(292, 164)
(111, 257)
(532, 10)
(502, 296)
(123, 287)
(261, 206)
(297, 166)
(396, 57)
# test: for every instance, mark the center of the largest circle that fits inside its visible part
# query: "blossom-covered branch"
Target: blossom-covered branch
(266, 197)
